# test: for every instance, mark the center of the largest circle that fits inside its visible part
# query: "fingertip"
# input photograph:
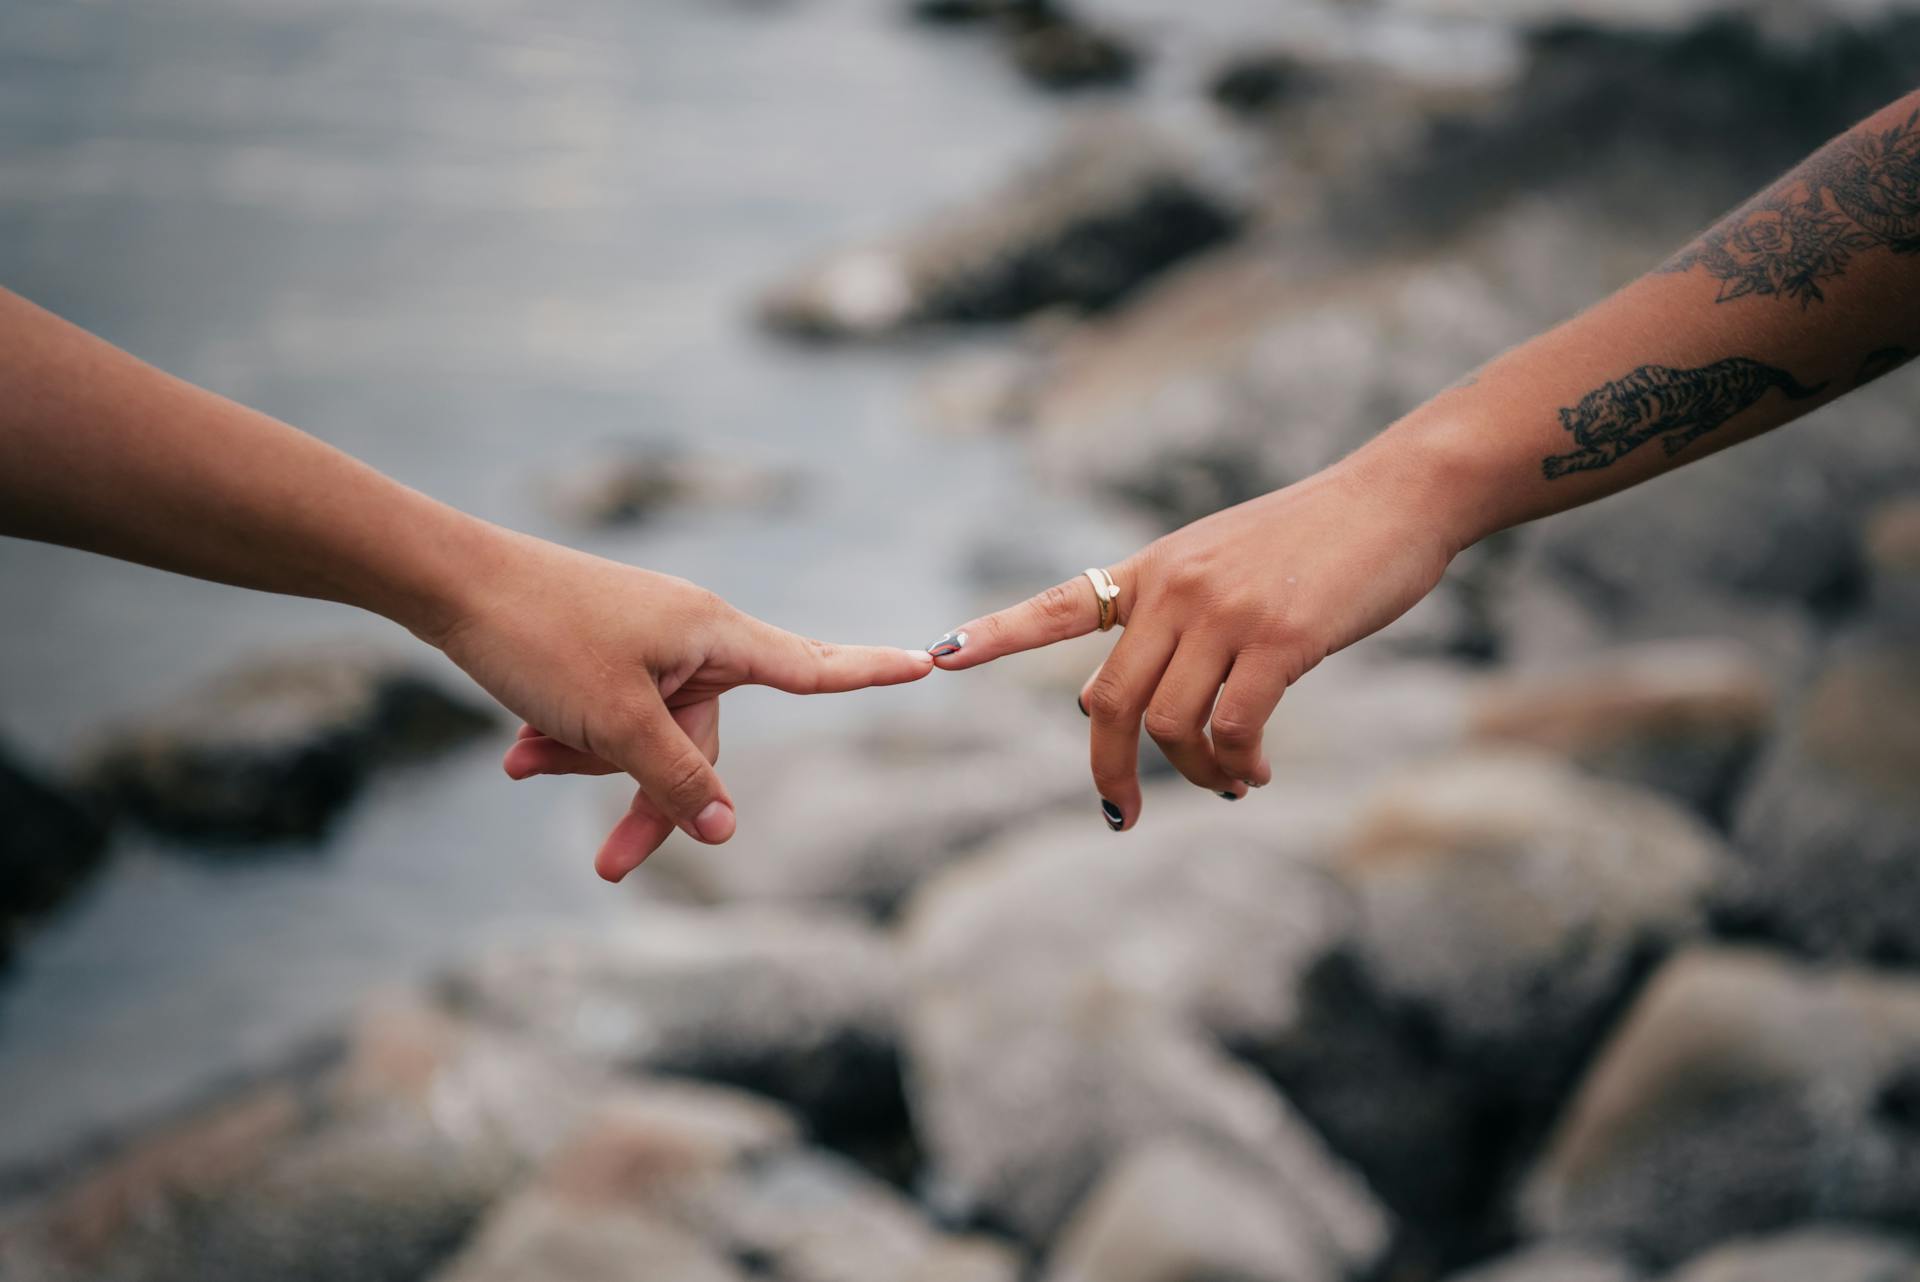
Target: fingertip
(715, 823)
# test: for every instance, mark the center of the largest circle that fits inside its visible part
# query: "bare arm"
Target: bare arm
(1805, 292)
(612, 667)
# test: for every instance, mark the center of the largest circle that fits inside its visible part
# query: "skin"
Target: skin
(1222, 616)
(614, 669)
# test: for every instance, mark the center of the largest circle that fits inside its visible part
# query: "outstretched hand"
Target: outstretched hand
(619, 670)
(1222, 616)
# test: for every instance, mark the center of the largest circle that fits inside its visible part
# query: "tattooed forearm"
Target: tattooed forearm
(1884, 361)
(1677, 405)
(1860, 192)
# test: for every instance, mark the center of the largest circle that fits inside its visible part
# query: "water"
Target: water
(471, 243)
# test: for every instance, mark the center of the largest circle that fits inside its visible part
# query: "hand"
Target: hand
(616, 669)
(1223, 615)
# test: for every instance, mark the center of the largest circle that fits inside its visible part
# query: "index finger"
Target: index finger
(1062, 612)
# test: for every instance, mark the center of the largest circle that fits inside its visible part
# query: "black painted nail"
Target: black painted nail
(1111, 813)
(1231, 796)
(951, 643)
(1083, 705)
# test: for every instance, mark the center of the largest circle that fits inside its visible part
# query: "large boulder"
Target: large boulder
(1826, 1254)
(1551, 1264)
(49, 843)
(1829, 826)
(1683, 718)
(1743, 1093)
(799, 1008)
(1068, 992)
(1176, 1210)
(1502, 906)
(275, 750)
(1115, 203)
(630, 1198)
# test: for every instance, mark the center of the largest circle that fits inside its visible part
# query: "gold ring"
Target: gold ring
(1106, 592)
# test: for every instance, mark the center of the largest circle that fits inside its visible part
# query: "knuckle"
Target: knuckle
(686, 784)
(1106, 701)
(1233, 728)
(1058, 604)
(1165, 726)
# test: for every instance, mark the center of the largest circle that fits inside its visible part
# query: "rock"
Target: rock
(860, 824)
(637, 484)
(1503, 906)
(1115, 204)
(1175, 1211)
(49, 844)
(970, 11)
(1683, 718)
(1893, 566)
(1068, 992)
(1550, 1264)
(1829, 826)
(1829, 1254)
(540, 1236)
(1742, 1093)
(624, 1190)
(1058, 51)
(274, 750)
(267, 1187)
(799, 1008)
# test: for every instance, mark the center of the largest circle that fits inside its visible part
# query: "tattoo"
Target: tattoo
(1677, 405)
(1884, 361)
(1860, 192)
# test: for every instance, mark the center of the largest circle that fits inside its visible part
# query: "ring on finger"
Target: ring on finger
(1107, 593)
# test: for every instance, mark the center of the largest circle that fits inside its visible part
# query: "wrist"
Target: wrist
(454, 563)
(1433, 463)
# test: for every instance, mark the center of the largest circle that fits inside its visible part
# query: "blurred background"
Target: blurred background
(1575, 940)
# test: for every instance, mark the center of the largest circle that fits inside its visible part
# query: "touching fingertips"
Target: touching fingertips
(949, 644)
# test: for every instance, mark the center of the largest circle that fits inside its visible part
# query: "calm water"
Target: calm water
(470, 242)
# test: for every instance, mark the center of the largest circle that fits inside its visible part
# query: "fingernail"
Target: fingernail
(1230, 796)
(715, 823)
(952, 643)
(1111, 813)
(1081, 700)
(917, 654)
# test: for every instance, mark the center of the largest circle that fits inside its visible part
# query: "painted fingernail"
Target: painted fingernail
(952, 643)
(715, 822)
(1081, 700)
(1111, 813)
(1230, 796)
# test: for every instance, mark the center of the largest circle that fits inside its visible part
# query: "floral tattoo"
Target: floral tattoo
(1860, 192)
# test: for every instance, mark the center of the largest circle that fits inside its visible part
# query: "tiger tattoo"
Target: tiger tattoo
(1677, 405)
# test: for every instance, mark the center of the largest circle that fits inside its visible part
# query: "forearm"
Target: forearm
(103, 452)
(1807, 291)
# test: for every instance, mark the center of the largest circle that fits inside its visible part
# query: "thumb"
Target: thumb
(799, 665)
(676, 775)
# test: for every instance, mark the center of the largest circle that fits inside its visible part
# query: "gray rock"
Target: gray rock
(1551, 1264)
(639, 483)
(795, 1007)
(1741, 1093)
(1112, 206)
(49, 844)
(860, 823)
(1683, 718)
(1829, 826)
(537, 1235)
(1068, 991)
(1826, 1254)
(1893, 561)
(276, 749)
(1503, 905)
(1174, 1211)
